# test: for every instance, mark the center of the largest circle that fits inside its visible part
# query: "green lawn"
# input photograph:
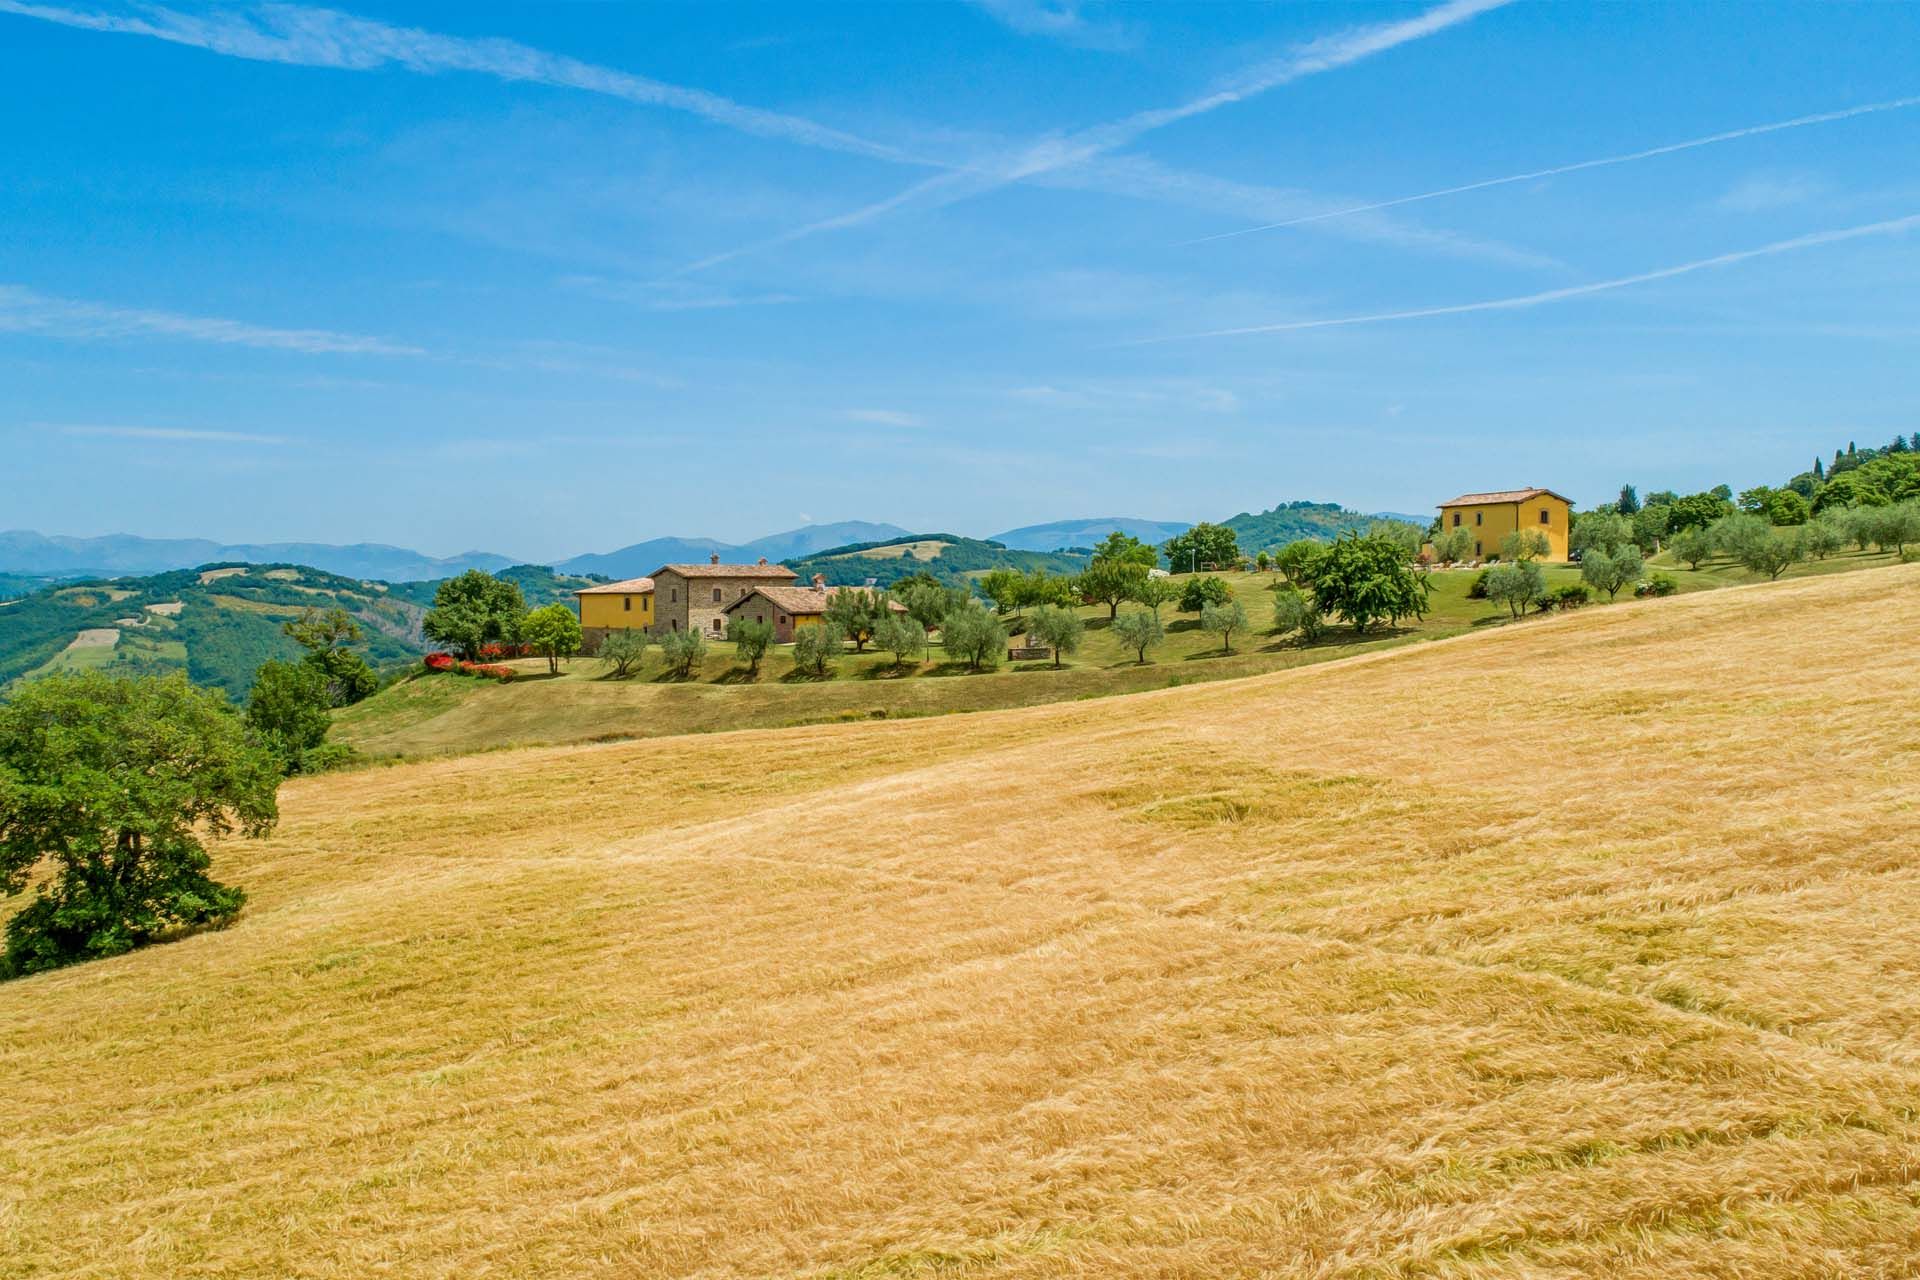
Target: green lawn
(432, 714)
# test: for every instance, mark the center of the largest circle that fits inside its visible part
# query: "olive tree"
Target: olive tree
(1295, 561)
(1824, 535)
(1139, 630)
(750, 641)
(1740, 534)
(929, 602)
(1294, 610)
(1057, 628)
(857, 612)
(1610, 571)
(1599, 531)
(816, 647)
(1773, 555)
(1525, 544)
(901, 636)
(1450, 546)
(1517, 585)
(973, 633)
(624, 651)
(1154, 592)
(1693, 545)
(107, 788)
(683, 651)
(1223, 620)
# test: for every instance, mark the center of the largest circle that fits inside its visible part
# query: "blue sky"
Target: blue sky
(553, 278)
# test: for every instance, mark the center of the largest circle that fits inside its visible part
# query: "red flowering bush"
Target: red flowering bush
(491, 670)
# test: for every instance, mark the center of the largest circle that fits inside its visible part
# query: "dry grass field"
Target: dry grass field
(1589, 947)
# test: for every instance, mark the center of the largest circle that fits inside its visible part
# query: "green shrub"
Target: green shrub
(1477, 589)
(329, 756)
(1198, 593)
(1293, 610)
(1571, 596)
(1660, 584)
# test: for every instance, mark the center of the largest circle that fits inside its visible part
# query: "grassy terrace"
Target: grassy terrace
(438, 714)
(1581, 948)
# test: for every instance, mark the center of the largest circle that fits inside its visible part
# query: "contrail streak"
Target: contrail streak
(1893, 226)
(1731, 135)
(1326, 54)
(297, 35)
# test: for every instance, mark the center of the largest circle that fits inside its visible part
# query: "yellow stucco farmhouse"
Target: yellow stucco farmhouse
(1492, 516)
(614, 606)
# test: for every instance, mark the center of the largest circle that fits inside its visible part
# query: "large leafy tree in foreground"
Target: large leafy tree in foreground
(108, 786)
(1368, 580)
(475, 610)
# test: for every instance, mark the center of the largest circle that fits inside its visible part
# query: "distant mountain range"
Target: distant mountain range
(1086, 533)
(31, 555)
(794, 544)
(25, 552)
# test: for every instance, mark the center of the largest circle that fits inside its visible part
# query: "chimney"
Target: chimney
(763, 559)
(714, 558)
(819, 582)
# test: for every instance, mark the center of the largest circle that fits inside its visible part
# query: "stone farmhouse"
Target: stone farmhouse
(694, 597)
(674, 597)
(789, 608)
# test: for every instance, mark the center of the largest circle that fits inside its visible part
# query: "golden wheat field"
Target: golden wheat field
(1586, 947)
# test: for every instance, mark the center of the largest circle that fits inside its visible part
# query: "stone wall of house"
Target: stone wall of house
(688, 603)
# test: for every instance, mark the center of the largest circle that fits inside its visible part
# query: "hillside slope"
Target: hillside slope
(1582, 948)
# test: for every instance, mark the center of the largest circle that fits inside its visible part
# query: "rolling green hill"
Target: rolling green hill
(221, 621)
(1292, 520)
(217, 623)
(944, 555)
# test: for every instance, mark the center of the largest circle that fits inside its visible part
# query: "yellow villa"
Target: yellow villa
(1492, 516)
(614, 606)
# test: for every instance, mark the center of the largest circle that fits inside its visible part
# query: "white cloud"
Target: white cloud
(24, 311)
(672, 295)
(1064, 20)
(311, 37)
(885, 417)
(1762, 192)
(173, 433)
(1892, 226)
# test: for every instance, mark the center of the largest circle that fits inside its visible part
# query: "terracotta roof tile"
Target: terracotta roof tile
(776, 572)
(803, 600)
(626, 587)
(1503, 495)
